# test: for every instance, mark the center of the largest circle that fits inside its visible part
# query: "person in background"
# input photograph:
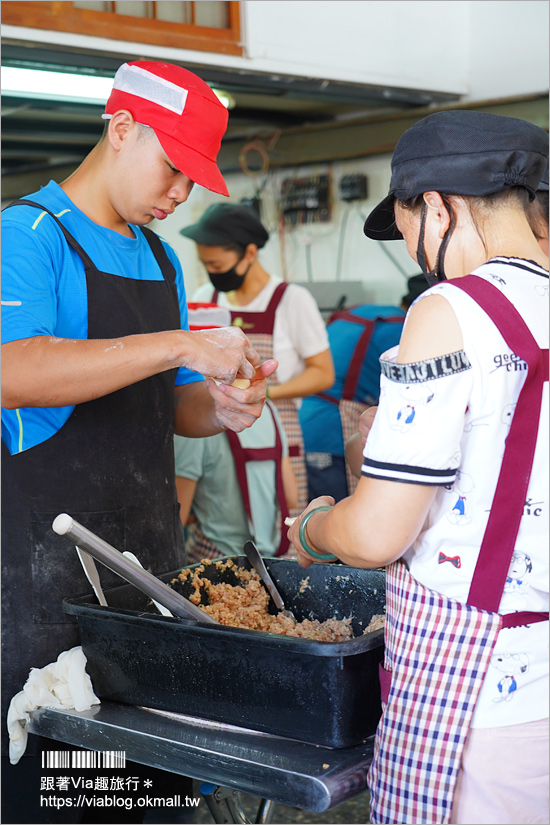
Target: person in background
(357, 337)
(281, 320)
(97, 365)
(237, 487)
(453, 465)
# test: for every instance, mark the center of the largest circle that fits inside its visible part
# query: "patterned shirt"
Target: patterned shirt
(444, 422)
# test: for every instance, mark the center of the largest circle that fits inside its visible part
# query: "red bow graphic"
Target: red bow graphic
(455, 560)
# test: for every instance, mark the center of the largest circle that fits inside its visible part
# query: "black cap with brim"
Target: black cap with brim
(380, 224)
(223, 224)
(460, 153)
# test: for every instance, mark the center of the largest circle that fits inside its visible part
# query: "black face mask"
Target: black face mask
(229, 280)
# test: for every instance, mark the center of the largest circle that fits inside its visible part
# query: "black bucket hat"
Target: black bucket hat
(543, 185)
(460, 153)
(227, 223)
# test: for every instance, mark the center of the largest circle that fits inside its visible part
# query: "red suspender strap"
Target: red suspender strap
(358, 356)
(511, 491)
(242, 455)
(257, 322)
(239, 458)
(360, 351)
(280, 290)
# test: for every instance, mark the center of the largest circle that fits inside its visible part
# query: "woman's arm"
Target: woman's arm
(371, 528)
(290, 484)
(381, 520)
(356, 443)
(317, 377)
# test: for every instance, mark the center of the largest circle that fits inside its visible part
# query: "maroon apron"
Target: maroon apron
(438, 650)
(350, 410)
(198, 545)
(258, 327)
(111, 466)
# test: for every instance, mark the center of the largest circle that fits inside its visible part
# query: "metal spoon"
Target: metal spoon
(92, 575)
(253, 555)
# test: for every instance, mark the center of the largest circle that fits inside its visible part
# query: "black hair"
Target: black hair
(537, 215)
(235, 247)
(480, 206)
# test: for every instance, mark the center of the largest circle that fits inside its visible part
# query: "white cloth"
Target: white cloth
(445, 422)
(61, 684)
(299, 331)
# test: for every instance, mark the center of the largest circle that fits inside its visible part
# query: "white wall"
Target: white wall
(508, 48)
(475, 48)
(362, 259)
(481, 49)
(384, 42)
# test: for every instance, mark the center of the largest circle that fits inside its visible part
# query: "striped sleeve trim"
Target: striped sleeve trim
(428, 370)
(408, 474)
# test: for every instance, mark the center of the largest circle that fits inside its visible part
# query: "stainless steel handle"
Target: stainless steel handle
(253, 555)
(65, 525)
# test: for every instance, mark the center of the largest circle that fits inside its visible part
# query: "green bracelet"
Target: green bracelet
(302, 535)
(267, 392)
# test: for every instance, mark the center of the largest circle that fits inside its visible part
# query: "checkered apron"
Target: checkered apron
(349, 408)
(258, 327)
(197, 546)
(437, 649)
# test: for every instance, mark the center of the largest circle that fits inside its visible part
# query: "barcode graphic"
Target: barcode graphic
(83, 759)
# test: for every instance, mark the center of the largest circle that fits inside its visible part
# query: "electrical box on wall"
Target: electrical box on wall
(306, 200)
(353, 187)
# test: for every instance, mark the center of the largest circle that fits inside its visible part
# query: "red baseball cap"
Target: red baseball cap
(185, 114)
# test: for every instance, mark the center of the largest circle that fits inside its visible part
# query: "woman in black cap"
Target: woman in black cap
(279, 318)
(453, 497)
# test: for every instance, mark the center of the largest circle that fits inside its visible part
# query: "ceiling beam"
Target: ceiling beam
(324, 143)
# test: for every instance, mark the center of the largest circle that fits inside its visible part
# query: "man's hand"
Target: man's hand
(223, 354)
(237, 408)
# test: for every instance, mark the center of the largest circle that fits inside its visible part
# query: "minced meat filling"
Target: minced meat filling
(246, 603)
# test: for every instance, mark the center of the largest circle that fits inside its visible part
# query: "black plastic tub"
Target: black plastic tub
(325, 693)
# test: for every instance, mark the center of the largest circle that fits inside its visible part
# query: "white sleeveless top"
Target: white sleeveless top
(444, 422)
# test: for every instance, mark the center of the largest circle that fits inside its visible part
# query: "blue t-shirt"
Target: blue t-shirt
(320, 419)
(44, 290)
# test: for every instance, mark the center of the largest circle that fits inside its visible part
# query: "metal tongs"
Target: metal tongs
(253, 555)
(112, 558)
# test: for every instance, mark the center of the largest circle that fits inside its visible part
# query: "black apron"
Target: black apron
(111, 467)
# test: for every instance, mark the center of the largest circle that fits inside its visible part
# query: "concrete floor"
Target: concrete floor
(352, 811)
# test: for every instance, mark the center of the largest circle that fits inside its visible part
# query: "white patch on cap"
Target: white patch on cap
(149, 86)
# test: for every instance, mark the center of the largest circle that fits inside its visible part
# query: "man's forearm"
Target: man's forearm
(45, 371)
(55, 372)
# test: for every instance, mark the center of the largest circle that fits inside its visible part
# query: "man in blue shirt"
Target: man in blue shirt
(98, 365)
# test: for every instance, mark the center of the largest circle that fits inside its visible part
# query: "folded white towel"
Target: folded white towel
(62, 684)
